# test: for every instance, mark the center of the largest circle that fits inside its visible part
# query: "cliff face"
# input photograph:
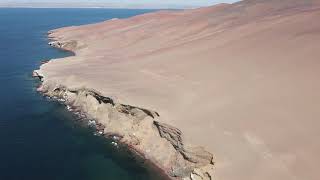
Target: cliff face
(239, 80)
(139, 129)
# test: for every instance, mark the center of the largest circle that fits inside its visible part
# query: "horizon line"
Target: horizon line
(84, 7)
(101, 6)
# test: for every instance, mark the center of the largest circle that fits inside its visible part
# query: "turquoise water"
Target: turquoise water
(39, 139)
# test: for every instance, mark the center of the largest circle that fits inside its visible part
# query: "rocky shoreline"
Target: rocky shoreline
(98, 129)
(140, 129)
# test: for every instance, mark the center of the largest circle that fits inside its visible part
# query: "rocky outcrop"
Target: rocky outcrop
(36, 74)
(194, 158)
(140, 129)
(65, 45)
(173, 135)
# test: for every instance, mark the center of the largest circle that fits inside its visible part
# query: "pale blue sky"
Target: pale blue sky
(117, 3)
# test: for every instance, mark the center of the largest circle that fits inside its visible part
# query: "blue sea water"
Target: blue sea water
(39, 139)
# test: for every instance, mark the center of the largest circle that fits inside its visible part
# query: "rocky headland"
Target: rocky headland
(138, 128)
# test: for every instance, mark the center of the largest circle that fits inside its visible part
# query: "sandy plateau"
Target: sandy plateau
(225, 92)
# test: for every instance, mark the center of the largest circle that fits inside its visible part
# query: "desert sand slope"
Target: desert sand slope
(240, 79)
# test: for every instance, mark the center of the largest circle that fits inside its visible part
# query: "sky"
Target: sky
(113, 3)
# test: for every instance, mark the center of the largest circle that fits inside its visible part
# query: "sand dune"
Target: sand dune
(240, 79)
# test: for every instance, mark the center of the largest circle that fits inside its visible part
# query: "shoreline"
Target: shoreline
(136, 154)
(195, 170)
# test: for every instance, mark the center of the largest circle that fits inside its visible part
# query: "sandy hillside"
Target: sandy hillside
(240, 79)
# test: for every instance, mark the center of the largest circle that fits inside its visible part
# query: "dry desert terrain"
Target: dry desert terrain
(241, 80)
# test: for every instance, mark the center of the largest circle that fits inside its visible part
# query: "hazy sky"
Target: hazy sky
(115, 3)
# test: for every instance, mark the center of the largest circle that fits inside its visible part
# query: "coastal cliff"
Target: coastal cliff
(237, 82)
(138, 128)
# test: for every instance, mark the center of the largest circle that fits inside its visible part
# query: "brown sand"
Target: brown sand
(240, 79)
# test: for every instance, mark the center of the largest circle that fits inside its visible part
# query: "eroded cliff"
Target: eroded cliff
(140, 129)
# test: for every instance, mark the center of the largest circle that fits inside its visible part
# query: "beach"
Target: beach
(223, 92)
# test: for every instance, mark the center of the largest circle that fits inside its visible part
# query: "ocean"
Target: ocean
(39, 138)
